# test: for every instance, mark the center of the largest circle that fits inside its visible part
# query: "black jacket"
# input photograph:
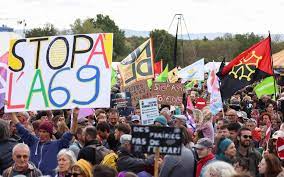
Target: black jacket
(128, 162)
(6, 147)
(88, 153)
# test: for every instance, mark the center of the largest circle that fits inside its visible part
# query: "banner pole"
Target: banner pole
(156, 165)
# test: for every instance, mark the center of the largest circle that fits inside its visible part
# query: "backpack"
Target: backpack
(100, 152)
(110, 160)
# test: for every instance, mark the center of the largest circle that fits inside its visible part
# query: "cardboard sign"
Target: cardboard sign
(147, 138)
(121, 100)
(59, 72)
(139, 90)
(149, 110)
(168, 93)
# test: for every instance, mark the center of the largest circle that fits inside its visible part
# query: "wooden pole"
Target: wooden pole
(156, 165)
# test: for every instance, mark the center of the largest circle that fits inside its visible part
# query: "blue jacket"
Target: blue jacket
(44, 155)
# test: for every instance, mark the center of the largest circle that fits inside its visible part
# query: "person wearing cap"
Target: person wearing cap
(272, 148)
(135, 119)
(43, 149)
(246, 151)
(160, 121)
(127, 161)
(203, 147)
(82, 168)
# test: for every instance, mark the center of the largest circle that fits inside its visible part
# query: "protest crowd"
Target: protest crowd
(242, 135)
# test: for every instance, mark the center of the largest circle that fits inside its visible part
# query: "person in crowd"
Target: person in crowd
(167, 114)
(60, 126)
(179, 120)
(232, 116)
(203, 148)
(182, 165)
(135, 120)
(103, 131)
(113, 119)
(234, 130)
(104, 171)
(246, 151)
(43, 149)
(22, 166)
(224, 131)
(226, 150)
(265, 118)
(219, 169)
(88, 152)
(242, 166)
(251, 124)
(66, 159)
(270, 166)
(127, 161)
(82, 168)
(6, 146)
(272, 142)
(13, 132)
(160, 121)
(78, 142)
(100, 116)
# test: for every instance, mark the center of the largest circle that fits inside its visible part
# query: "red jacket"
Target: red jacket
(203, 162)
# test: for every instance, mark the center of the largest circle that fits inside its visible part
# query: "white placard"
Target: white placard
(149, 110)
(59, 72)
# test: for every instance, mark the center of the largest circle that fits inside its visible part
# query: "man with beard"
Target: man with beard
(247, 152)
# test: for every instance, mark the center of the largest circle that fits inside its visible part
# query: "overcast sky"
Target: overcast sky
(201, 16)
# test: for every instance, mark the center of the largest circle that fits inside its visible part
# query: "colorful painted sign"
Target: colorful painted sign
(59, 72)
(138, 65)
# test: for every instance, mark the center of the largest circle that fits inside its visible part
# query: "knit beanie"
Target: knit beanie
(161, 119)
(225, 144)
(85, 166)
(47, 126)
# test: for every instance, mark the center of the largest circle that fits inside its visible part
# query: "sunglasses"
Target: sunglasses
(75, 174)
(247, 136)
(22, 156)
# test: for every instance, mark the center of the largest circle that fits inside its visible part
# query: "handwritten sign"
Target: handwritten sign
(149, 110)
(168, 93)
(59, 72)
(147, 138)
(138, 90)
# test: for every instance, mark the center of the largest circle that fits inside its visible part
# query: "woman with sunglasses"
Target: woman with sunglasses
(66, 159)
(82, 168)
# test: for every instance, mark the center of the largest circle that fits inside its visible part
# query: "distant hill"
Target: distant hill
(193, 36)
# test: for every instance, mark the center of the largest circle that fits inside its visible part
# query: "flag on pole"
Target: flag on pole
(268, 132)
(216, 104)
(163, 77)
(173, 75)
(138, 65)
(280, 147)
(266, 87)
(251, 65)
(158, 67)
(194, 71)
(113, 77)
